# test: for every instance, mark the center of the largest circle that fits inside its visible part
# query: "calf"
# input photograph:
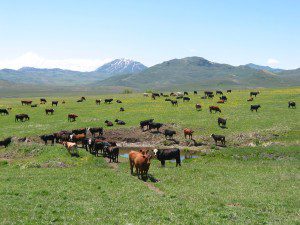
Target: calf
(217, 138)
(120, 122)
(108, 123)
(185, 93)
(198, 107)
(222, 121)
(62, 136)
(188, 132)
(210, 96)
(4, 112)
(254, 93)
(169, 133)
(113, 154)
(250, 99)
(122, 109)
(54, 103)
(292, 104)
(174, 102)
(5, 142)
(168, 154)
(108, 100)
(142, 165)
(214, 108)
(186, 99)
(71, 147)
(119, 101)
(219, 93)
(145, 123)
(48, 137)
(132, 155)
(254, 107)
(21, 117)
(98, 101)
(195, 92)
(229, 91)
(43, 101)
(155, 126)
(49, 111)
(72, 117)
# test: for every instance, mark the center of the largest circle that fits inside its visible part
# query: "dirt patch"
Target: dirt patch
(153, 188)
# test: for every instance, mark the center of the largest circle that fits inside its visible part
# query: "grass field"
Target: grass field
(234, 185)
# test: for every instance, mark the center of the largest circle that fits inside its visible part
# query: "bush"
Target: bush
(127, 91)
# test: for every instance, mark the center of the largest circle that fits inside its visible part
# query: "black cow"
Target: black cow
(210, 96)
(217, 138)
(155, 126)
(222, 121)
(120, 122)
(165, 96)
(179, 97)
(79, 131)
(34, 105)
(113, 154)
(208, 93)
(168, 100)
(254, 93)
(101, 146)
(169, 133)
(21, 117)
(229, 91)
(174, 102)
(219, 92)
(224, 98)
(108, 100)
(292, 104)
(254, 107)
(119, 101)
(185, 93)
(186, 99)
(4, 112)
(49, 111)
(156, 94)
(5, 142)
(122, 109)
(48, 137)
(43, 100)
(145, 123)
(54, 103)
(168, 154)
(195, 92)
(95, 130)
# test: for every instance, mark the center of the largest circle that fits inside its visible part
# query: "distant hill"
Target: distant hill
(267, 68)
(199, 72)
(121, 66)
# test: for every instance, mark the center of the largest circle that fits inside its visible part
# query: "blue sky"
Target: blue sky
(85, 34)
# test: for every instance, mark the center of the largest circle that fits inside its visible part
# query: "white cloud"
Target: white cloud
(31, 59)
(273, 62)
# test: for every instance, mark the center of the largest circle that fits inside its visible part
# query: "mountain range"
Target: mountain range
(190, 72)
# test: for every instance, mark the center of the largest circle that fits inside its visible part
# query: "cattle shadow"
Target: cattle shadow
(173, 140)
(224, 127)
(155, 132)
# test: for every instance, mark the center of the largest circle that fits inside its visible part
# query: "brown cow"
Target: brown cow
(221, 101)
(142, 165)
(98, 101)
(188, 132)
(72, 117)
(132, 155)
(77, 137)
(250, 99)
(214, 108)
(198, 107)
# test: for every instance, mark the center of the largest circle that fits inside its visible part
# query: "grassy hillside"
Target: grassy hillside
(237, 184)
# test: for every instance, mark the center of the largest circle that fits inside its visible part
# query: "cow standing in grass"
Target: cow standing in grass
(292, 104)
(254, 107)
(168, 154)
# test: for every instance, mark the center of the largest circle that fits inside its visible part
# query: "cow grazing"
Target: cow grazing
(119, 101)
(292, 104)
(43, 100)
(26, 102)
(188, 132)
(208, 93)
(71, 147)
(156, 94)
(219, 93)
(185, 93)
(146, 95)
(222, 121)
(174, 102)
(198, 107)
(179, 97)
(223, 97)
(186, 99)
(5, 142)
(83, 98)
(63, 102)
(229, 91)
(62, 136)
(210, 96)
(254, 93)
(221, 101)
(169, 133)
(214, 108)
(49, 111)
(95, 130)
(101, 146)
(48, 137)
(204, 97)
(120, 122)
(168, 100)
(165, 96)
(254, 107)
(168, 154)
(34, 106)
(54, 103)
(155, 126)
(108, 100)
(250, 99)
(72, 117)
(80, 100)
(98, 101)
(22, 117)
(78, 138)
(145, 123)
(122, 109)
(4, 112)
(195, 92)
(108, 123)
(217, 138)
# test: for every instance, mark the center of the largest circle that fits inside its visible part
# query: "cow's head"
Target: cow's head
(155, 152)
(212, 135)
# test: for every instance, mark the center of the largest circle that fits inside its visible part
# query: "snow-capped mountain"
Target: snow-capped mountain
(121, 66)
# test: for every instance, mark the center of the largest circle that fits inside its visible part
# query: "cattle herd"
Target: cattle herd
(92, 139)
